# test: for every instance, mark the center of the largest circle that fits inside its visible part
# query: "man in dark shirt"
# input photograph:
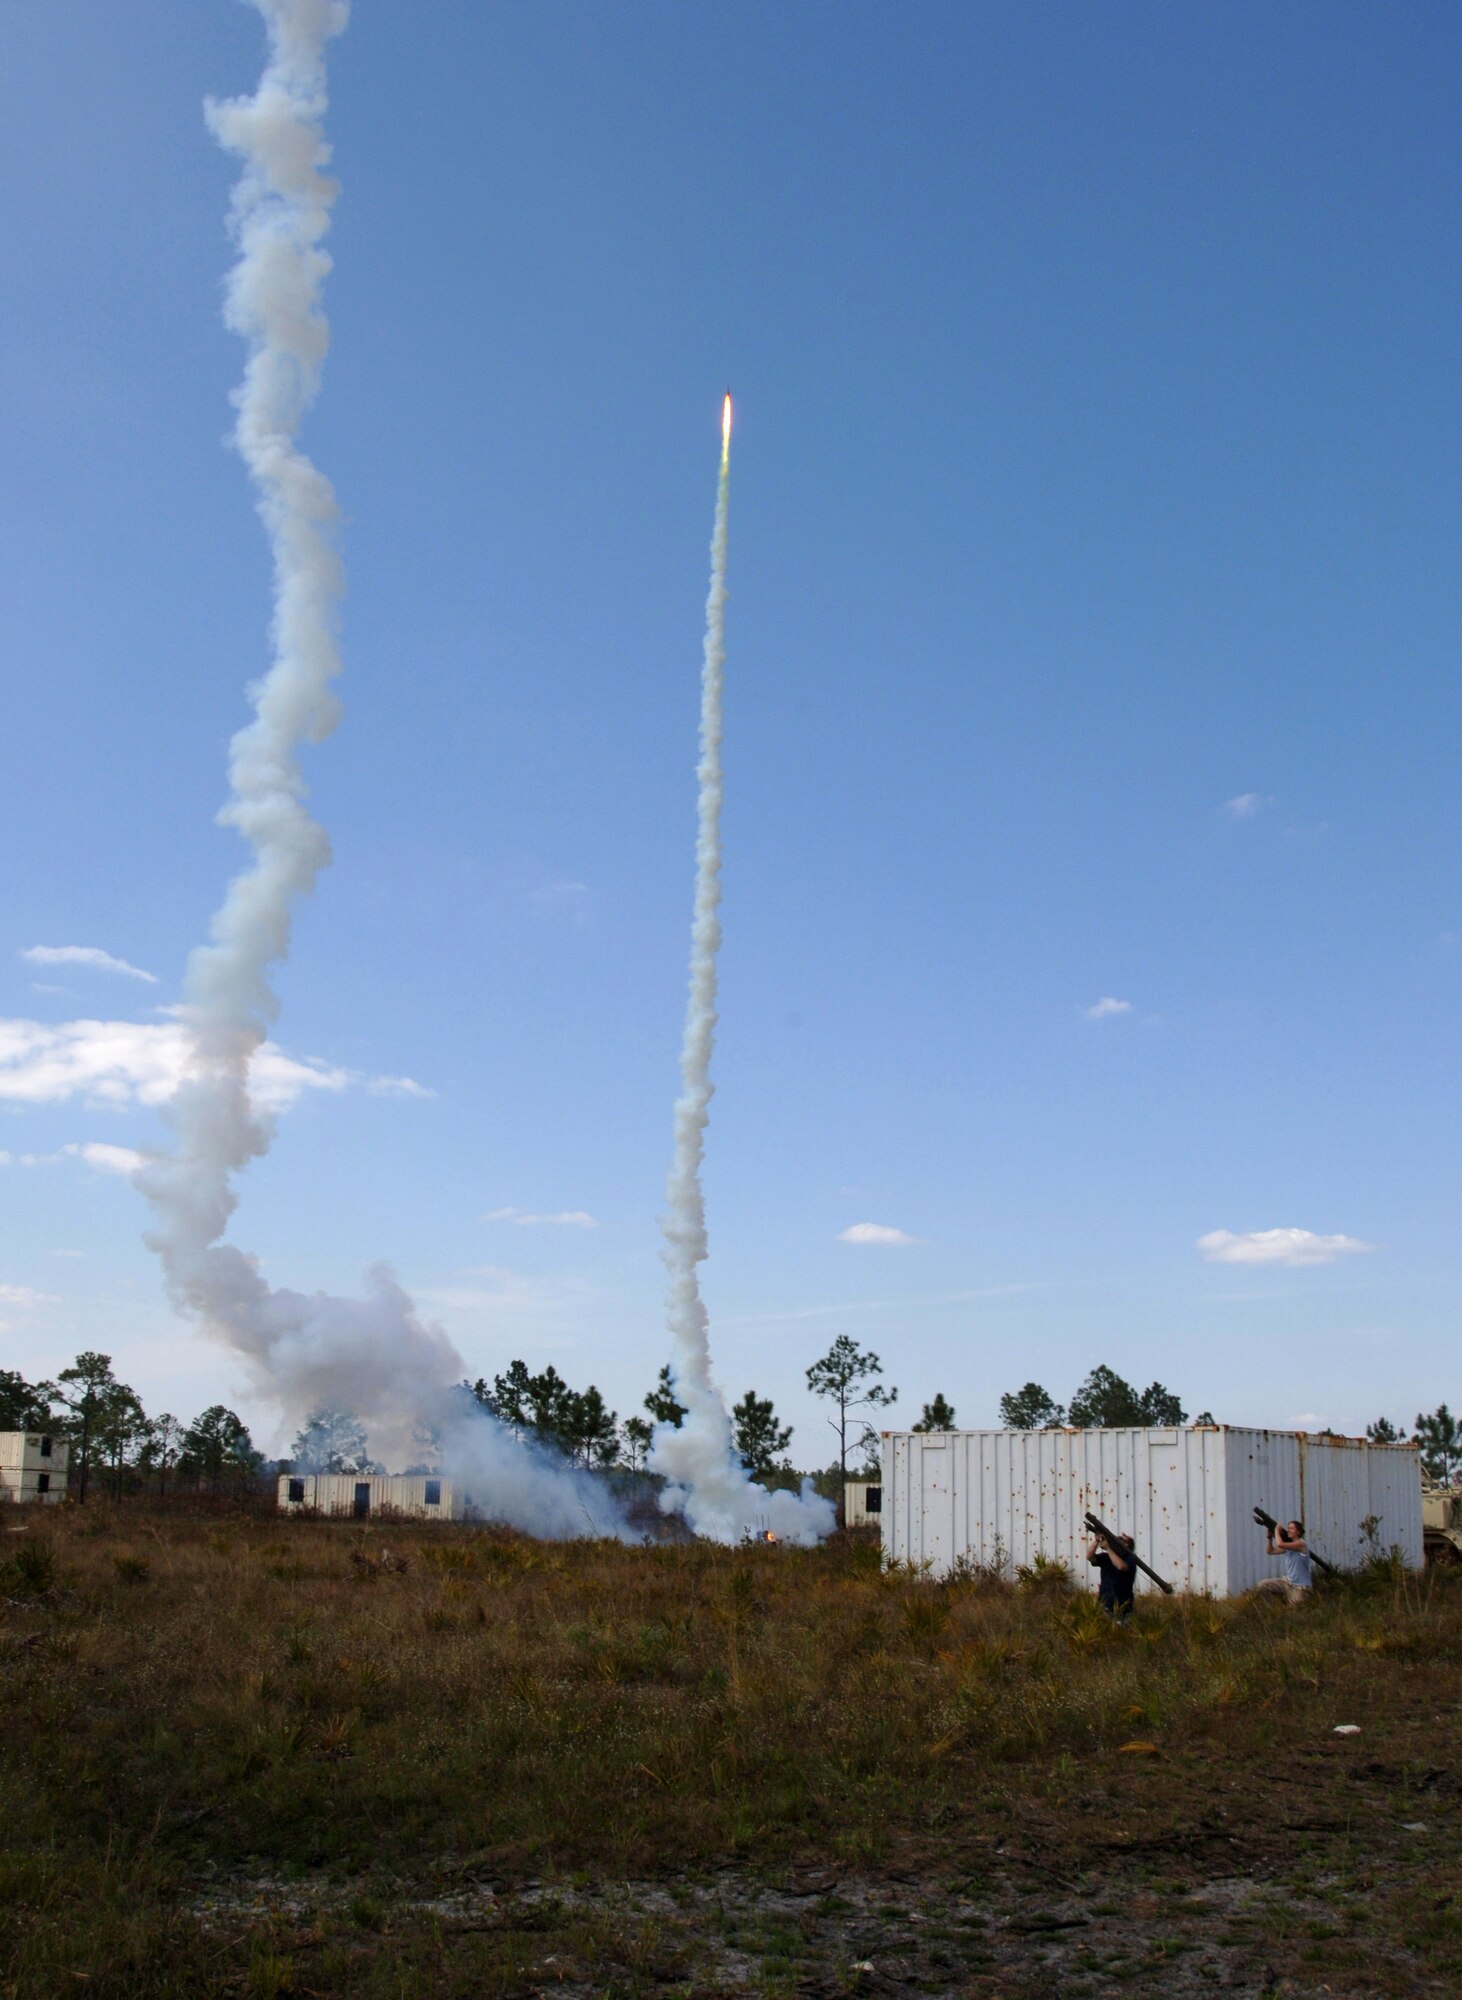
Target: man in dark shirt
(1116, 1571)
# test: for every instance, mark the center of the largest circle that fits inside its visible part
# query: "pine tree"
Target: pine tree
(24, 1406)
(1031, 1409)
(662, 1403)
(509, 1397)
(593, 1428)
(638, 1431)
(844, 1375)
(217, 1442)
(331, 1441)
(1105, 1402)
(83, 1389)
(938, 1415)
(760, 1439)
(1440, 1438)
(551, 1409)
(1160, 1406)
(120, 1427)
(160, 1451)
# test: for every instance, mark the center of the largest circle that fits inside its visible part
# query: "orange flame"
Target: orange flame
(726, 424)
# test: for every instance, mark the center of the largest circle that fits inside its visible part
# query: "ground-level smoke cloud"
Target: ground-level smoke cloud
(374, 1355)
(707, 1481)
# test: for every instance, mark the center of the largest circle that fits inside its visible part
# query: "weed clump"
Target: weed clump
(30, 1572)
(1044, 1573)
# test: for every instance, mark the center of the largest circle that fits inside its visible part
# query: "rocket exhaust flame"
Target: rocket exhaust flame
(706, 1480)
(375, 1355)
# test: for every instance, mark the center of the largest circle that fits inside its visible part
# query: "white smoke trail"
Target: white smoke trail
(375, 1355)
(706, 1479)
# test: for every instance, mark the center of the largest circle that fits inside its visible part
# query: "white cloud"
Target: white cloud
(24, 1295)
(1277, 1246)
(123, 1063)
(525, 1218)
(1310, 1420)
(124, 1160)
(398, 1086)
(876, 1232)
(1106, 1007)
(84, 954)
(106, 1159)
(1248, 805)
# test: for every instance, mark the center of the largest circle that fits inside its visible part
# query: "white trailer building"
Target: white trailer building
(1001, 1498)
(349, 1495)
(862, 1503)
(32, 1467)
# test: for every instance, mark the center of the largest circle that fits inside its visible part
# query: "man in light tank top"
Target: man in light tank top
(1293, 1582)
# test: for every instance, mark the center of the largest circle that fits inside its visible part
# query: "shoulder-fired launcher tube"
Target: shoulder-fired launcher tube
(1268, 1522)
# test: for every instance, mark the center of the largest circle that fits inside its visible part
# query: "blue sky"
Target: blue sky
(1093, 625)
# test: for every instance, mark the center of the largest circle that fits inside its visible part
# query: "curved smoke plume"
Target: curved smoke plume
(707, 1481)
(374, 1355)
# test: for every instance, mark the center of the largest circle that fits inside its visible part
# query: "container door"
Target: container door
(1165, 1506)
(362, 1499)
(900, 1525)
(935, 1459)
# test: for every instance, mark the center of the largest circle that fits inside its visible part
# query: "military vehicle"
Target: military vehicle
(1441, 1523)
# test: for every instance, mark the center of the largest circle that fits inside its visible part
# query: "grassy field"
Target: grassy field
(261, 1758)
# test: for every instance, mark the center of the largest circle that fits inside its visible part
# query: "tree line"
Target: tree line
(543, 1409)
(1438, 1437)
(1105, 1401)
(585, 1430)
(114, 1440)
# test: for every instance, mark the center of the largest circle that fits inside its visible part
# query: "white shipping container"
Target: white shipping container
(862, 1503)
(1002, 1498)
(418, 1496)
(32, 1467)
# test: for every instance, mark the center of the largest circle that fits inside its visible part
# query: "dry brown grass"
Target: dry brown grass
(203, 1699)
